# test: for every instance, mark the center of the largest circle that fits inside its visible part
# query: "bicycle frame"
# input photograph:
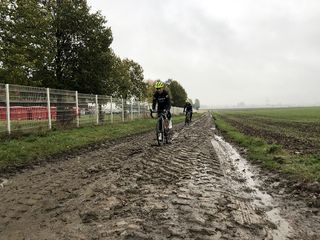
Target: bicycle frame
(162, 127)
(187, 119)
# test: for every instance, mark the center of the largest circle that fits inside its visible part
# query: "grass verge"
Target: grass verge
(23, 150)
(272, 156)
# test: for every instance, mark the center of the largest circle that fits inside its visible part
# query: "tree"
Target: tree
(126, 79)
(26, 55)
(115, 75)
(60, 44)
(177, 93)
(196, 104)
(135, 86)
(82, 51)
(149, 90)
(83, 47)
(56, 43)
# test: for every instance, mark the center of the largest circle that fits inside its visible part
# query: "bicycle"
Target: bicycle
(162, 127)
(188, 118)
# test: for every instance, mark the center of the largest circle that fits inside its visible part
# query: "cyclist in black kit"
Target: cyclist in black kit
(161, 97)
(188, 108)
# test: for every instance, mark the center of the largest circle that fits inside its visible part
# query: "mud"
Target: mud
(298, 138)
(195, 188)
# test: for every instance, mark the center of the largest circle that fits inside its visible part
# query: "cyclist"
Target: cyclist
(161, 97)
(188, 108)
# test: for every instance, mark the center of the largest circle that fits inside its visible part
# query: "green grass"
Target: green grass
(25, 149)
(273, 156)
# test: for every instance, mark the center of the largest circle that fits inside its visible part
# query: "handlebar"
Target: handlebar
(155, 111)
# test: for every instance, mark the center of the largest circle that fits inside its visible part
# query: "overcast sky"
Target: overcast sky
(223, 52)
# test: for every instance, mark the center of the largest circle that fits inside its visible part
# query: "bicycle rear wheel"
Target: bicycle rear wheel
(167, 135)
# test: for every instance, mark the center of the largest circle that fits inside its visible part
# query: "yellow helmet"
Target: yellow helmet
(159, 84)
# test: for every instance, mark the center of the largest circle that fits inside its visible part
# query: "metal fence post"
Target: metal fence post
(111, 113)
(139, 111)
(122, 110)
(8, 109)
(97, 109)
(131, 110)
(77, 109)
(49, 108)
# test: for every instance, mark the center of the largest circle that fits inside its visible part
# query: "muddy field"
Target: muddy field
(198, 187)
(300, 136)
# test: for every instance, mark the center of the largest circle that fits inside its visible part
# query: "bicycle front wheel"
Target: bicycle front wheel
(187, 119)
(160, 133)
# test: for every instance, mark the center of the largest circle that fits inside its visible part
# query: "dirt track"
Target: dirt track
(195, 188)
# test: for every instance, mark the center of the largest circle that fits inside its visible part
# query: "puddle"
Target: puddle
(226, 152)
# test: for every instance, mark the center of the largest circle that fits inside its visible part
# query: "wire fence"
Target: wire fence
(32, 109)
(3, 126)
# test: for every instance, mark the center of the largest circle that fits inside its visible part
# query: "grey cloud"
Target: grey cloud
(223, 52)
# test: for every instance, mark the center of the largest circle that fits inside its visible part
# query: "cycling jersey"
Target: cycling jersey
(163, 100)
(188, 107)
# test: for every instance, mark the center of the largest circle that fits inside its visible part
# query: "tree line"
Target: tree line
(62, 44)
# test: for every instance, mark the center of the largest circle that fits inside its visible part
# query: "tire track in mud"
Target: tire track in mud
(134, 190)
